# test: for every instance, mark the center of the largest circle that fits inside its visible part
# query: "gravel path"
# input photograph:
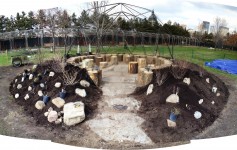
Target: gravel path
(117, 119)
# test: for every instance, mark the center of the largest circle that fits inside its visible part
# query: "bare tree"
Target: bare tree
(217, 30)
(47, 20)
(100, 20)
(64, 22)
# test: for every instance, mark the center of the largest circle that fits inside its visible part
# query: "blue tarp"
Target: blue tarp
(229, 66)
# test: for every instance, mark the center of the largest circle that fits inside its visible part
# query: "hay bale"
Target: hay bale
(108, 57)
(103, 56)
(103, 64)
(127, 58)
(141, 62)
(87, 63)
(135, 57)
(150, 59)
(140, 76)
(96, 76)
(114, 60)
(147, 77)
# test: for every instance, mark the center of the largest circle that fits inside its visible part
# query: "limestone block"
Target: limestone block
(171, 123)
(81, 92)
(84, 83)
(52, 116)
(59, 102)
(173, 98)
(39, 105)
(149, 89)
(73, 113)
(187, 81)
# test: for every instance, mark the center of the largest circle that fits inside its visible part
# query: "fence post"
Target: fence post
(192, 53)
(7, 55)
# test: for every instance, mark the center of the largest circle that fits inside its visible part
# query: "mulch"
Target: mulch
(90, 101)
(155, 110)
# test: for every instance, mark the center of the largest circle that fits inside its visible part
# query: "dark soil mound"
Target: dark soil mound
(156, 111)
(90, 101)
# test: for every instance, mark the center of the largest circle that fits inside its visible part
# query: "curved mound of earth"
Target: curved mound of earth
(90, 101)
(155, 110)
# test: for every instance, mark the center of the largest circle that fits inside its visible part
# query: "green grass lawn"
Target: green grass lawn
(197, 55)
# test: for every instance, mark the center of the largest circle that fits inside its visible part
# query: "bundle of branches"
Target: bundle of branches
(179, 69)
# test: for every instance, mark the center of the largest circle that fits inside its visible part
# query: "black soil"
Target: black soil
(90, 101)
(156, 111)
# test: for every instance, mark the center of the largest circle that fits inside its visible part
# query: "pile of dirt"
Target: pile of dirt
(155, 110)
(90, 101)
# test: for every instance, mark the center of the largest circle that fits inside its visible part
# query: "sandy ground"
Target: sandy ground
(116, 114)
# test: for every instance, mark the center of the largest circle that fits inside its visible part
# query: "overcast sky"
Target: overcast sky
(188, 12)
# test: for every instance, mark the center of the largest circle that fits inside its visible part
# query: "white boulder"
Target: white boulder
(171, 123)
(34, 67)
(187, 81)
(200, 101)
(58, 121)
(30, 76)
(27, 97)
(46, 114)
(16, 80)
(42, 85)
(207, 80)
(84, 83)
(173, 98)
(197, 114)
(39, 105)
(40, 93)
(149, 89)
(218, 94)
(59, 102)
(214, 89)
(52, 116)
(57, 84)
(80, 92)
(212, 102)
(29, 88)
(22, 79)
(73, 113)
(51, 74)
(19, 86)
(50, 109)
(17, 95)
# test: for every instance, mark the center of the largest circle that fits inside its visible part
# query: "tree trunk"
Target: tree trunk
(133, 67)
(120, 57)
(98, 60)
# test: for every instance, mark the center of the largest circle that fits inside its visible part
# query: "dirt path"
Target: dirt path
(117, 119)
